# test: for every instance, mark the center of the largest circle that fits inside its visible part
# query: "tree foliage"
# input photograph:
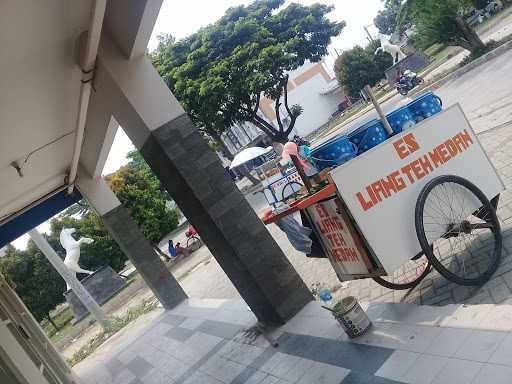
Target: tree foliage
(140, 191)
(443, 21)
(34, 279)
(359, 66)
(220, 72)
(386, 19)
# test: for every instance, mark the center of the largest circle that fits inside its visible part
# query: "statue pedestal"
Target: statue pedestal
(102, 285)
(413, 62)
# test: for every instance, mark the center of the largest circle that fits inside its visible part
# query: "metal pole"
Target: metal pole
(382, 116)
(70, 278)
(368, 33)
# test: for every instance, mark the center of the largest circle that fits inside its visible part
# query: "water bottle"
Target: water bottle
(325, 295)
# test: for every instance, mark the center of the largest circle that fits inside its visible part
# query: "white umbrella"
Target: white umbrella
(247, 155)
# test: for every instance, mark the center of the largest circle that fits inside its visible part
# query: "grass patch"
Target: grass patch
(62, 320)
(117, 323)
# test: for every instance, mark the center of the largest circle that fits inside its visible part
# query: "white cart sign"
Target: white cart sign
(381, 186)
(341, 243)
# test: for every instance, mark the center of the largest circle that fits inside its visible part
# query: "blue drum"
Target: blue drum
(369, 135)
(425, 106)
(334, 152)
(401, 119)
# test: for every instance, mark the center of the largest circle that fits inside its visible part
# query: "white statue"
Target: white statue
(72, 248)
(393, 50)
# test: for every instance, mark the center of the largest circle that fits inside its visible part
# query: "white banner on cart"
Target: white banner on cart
(381, 186)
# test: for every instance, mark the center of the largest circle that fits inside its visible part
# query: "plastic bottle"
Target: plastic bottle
(325, 295)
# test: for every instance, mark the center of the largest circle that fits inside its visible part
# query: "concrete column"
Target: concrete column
(195, 178)
(127, 234)
(70, 278)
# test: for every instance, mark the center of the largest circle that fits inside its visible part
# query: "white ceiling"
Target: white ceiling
(39, 89)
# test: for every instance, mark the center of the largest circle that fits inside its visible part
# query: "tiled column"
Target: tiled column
(132, 242)
(195, 178)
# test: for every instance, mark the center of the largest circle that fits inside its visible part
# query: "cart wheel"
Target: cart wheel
(290, 190)
(193, 243)
(458, 230)
(408, 275)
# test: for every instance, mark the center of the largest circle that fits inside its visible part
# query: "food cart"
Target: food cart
(278, 182)
(424, 198)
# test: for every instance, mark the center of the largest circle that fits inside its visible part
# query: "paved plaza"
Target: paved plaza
(214, 342)
(209, 281)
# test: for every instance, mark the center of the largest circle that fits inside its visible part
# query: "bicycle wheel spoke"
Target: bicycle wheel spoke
(459, 230)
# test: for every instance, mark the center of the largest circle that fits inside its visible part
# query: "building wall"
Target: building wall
(240, 135)
(305, 87)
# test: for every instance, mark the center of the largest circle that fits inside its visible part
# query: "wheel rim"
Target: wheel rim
(463, 231)
(407, 275)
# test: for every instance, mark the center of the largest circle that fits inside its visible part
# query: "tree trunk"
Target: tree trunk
(50, 320)
(470, 35)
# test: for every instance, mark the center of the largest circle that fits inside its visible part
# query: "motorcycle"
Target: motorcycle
(408, 81)
(300, 141)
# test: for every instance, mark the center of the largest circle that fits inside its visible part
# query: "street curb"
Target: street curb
(468, 67)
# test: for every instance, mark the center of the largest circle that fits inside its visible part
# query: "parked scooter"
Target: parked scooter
(408, 80)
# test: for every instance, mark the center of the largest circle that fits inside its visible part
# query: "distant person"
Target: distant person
(181, 250)
(172, 250)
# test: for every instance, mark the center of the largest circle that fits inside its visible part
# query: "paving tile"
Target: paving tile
(219, 329)
(458, 371)
(114, 366)
(480, 345)
(124, 377)
(222, 369)
(358, 357)
(202, 342)
(199, 377)
(172, 319)
(298, 370)
(448, 341)
(155, 376)
(320, 373)
(172, 367)
(191, 323)
(500, 293)
(495, 374)
(279, 364)
(397, 365)
(269, 379)
(139, 366)
(503, 354)
(180, 334)
(499, 319)
(366, 378)
(250, 376)
(424, 369)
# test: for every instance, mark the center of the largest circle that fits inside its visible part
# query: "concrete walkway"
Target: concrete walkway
(213, 342)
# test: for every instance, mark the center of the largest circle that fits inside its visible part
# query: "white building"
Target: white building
(312, 87)
(316, 90)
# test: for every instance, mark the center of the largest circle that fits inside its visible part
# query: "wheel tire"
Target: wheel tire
(193, 243)
(290, 185)
(408, 285)
(402, 91)
(428, 248)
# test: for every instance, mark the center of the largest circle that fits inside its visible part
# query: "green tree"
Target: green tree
(359, 66)
(443, 21)
(220, 72)
(140, 191)
(34, 279)
(386, 19)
